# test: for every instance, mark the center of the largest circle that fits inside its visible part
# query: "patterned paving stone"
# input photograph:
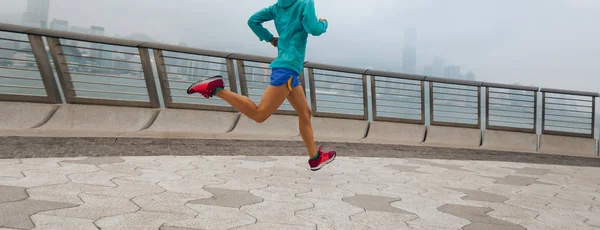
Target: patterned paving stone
(45, 222)
(563, 220)
(383, 220)
(319, 191)
(533, 171)
(261, 226)
(480, 196)
(9, 194)
(129, 189)
(35, 179)
(5, 162)
(168, 202)
(281, 181)
(281, 194)
(153, 176)
(256, 158)
(213, 217)
(96, 160)
(405, 168)
(177, 228)
(518, 181)
(16, 170)
(478, 217)
(188, 186)
(174, 164)
(101, 178)
(278, 212)
(375, 203)
(332, 214)
(96, 207)
(139, 220)
(16, 214)
(228, 198)
(66, 193)
(429, 216)
(284, 172)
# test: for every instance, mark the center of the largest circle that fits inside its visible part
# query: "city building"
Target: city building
(438, 67)
(58, 24)
(409, 54)
(36, 13)
(452, 72)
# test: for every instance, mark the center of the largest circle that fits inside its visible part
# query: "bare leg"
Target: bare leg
(271, 100)
(298, 101)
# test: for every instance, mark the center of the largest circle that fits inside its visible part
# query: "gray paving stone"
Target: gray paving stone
(35, 179)
(101, 178)
(205, 173)
(188, 186)
(9, 194)
(375, 203)
(281, 194)
(96, 207)
(213, 217)
(228, 198)
(563, 220)
(320, 191)
(429, 216)
(256, 158)
(487, 226)
(153, 176)
(168, 202)
(405, 168)
(279, 170)
(262, 226)
(366, 189)
(66, 193)
(518, 181)
(475, 215)
(96, 160)
(278, 212)
(173, 164)
(16, 214)
(533, 171)
(383, 220)
(5, 162)
(480, 196)
(331, 214)
(569, 206)
(140, 220)
(281, 181)
(177, 228)
(129, 189)
(44, 222)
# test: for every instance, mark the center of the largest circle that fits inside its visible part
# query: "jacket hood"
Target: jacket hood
(285, 3)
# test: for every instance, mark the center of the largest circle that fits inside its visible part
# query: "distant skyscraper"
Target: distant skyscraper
(36, 14)
(58, 24)
(470, 76)
(409, 54)
(429, 71)
(438, 67)
(452, 72)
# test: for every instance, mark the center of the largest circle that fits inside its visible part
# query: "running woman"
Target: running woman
(294, 21)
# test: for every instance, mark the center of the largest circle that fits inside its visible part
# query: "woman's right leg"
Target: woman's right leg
(269, 103)
(298, 101)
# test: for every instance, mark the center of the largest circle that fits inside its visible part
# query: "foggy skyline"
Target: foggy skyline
(550, 43)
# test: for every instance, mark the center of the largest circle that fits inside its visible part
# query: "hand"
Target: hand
(322, 19)
(274, 41)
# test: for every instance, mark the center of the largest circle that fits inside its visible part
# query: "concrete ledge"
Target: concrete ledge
(453, 137)
(20, 115)
(395, 133)
(277, 127)
(93, 121)
(179, 123)
(338, 130)
(570, 146)
(509, 141)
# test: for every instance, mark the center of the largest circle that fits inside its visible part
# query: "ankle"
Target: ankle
(315, 156)
(217, 90)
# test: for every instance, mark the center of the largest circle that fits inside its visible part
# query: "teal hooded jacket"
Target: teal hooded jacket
(294, 21)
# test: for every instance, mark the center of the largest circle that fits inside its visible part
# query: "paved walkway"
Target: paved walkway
(262, 192)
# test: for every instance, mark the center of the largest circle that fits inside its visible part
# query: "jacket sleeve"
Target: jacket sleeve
(256, 20)
(310, 22)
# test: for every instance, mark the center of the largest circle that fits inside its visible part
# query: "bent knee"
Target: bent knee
(261, 118)
(305, 114)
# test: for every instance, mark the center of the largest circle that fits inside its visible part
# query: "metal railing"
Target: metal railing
(111, 71)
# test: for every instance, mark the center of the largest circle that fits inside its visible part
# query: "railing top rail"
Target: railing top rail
(334, 68)
(570, 92)
(182, 49)
(249, 57)
(395, 75)
(507, 86)
(453, 81)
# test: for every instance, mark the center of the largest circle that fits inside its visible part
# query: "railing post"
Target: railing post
(242, 73)
(478, 107)
(365, 96)
(431, 112)
(163, 77)
(487, 107)
(149, 77)
(62, 69)
(535, 117)
(373, 97)
(423, 102)
(231, 75)
(43, 63)
(543, 112)
(594, 117)
(313, 93)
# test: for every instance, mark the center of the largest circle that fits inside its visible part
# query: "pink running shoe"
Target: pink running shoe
(324, 158)
(207, 86)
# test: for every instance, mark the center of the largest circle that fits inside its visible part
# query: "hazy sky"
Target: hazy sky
(547, 43)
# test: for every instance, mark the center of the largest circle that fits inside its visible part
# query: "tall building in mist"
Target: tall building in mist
(58, 24)
(409, 54)
(438, 67)
(429, 71)
(36, 14)
(470, 76)
(452, 72)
